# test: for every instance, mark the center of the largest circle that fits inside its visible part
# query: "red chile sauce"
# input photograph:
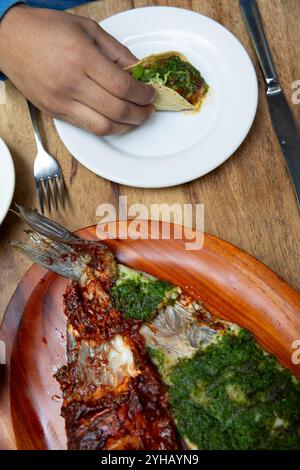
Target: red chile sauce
(136, 417)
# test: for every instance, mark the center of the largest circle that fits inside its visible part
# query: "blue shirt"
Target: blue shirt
(5, 5)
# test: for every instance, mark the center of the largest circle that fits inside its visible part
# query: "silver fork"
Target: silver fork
(48, 175)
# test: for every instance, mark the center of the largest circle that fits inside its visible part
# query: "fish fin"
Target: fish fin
(61, 251)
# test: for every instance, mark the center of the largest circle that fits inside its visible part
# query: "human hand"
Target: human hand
(71, 68)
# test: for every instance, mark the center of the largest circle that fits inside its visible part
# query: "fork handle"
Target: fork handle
(255, 28)
(36, 130)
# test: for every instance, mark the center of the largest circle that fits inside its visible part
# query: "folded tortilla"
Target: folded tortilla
(167, 98)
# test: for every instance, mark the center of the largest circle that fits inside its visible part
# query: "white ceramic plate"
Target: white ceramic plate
(174, 148)
(7, 180)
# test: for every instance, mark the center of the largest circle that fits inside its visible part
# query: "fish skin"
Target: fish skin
(109, 402)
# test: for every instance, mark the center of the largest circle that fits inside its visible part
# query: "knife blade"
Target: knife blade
(283, 120)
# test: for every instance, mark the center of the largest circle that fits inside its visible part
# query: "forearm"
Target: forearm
(6, 5)
(54, 4)
(7, 25)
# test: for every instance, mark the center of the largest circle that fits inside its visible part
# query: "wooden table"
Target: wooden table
(248, 201)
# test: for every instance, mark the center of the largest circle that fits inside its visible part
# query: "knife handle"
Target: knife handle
(254, 25)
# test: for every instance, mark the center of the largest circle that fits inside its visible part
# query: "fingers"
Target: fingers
(101, 101)
(117, 81)
(86, 118)
(113, 49)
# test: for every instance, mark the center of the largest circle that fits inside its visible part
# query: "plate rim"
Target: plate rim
(12, 182)
(39, 273)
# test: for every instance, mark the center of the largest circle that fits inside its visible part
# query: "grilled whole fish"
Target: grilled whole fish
(224, 390)
(112, 395)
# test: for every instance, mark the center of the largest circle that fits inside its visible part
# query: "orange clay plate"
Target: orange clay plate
(231, 283)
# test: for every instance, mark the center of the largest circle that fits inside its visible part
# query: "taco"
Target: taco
(179, 85)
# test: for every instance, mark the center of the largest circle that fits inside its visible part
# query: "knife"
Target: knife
(284, 123)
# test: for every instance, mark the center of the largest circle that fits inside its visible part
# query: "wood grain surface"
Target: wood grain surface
(232, 284)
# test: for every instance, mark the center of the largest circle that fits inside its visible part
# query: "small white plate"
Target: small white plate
(174, 148)
(7, 180)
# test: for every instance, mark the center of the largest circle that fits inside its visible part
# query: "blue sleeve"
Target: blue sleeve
(5, 5)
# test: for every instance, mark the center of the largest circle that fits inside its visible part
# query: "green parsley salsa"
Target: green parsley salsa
(233, 395)
(179, 75)
(228, 393)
